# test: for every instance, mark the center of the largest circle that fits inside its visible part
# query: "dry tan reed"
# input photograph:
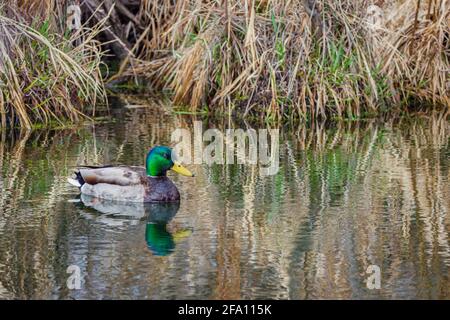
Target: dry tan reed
(295, 59)
(271, 59)
(45, 76)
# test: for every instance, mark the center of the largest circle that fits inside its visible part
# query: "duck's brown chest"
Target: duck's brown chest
(160, 189)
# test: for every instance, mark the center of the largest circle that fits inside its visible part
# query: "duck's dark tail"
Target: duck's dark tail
(76, 180)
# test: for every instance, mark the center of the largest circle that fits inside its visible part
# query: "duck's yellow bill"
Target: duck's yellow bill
(178, 168)
(181, 235)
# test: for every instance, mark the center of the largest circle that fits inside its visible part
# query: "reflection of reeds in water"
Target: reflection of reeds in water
(34, 166)
(346, 196)
(16, 183)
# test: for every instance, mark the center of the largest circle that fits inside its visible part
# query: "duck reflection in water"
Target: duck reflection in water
(162, 235)
(161, 232)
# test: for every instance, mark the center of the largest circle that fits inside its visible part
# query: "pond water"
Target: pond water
(347, 196)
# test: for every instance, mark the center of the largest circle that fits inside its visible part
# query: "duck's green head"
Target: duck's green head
(160, 159)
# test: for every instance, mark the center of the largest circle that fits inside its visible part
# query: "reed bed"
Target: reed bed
(45, 74)
(278, 59)
(272, 60)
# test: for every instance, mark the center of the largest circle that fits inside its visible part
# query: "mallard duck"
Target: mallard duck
(133, 183)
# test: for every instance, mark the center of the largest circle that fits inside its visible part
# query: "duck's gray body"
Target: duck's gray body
(125, 183)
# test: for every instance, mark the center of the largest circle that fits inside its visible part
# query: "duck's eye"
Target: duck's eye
(165, 155)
